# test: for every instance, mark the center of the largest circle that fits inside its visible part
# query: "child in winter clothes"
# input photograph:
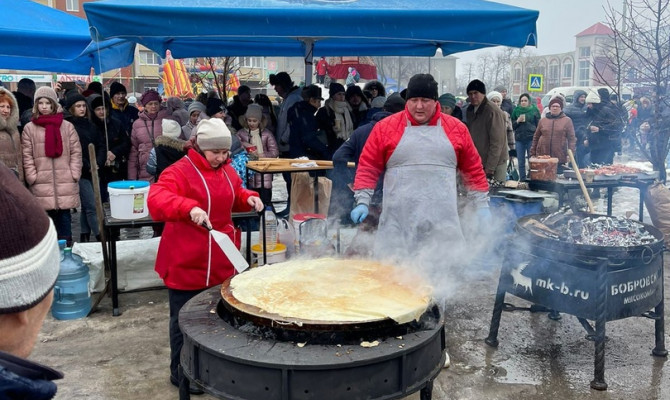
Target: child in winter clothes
(168, 150)
(52, 161)
(259, 142)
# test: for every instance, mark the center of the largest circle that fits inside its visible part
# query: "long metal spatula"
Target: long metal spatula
(228, 248)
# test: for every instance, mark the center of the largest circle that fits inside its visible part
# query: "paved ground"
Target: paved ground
(126, 357)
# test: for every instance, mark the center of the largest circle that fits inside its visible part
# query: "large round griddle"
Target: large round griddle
(263, 318)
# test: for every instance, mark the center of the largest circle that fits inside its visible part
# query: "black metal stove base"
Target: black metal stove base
(596, 334)
(231, 364)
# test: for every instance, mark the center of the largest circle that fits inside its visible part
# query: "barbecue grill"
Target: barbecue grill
(237, 352)
(597, 283)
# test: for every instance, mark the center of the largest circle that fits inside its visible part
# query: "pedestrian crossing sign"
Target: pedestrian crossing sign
(534, 82)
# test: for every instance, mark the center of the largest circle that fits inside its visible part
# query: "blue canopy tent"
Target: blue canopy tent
(312, 27)
(40, 38)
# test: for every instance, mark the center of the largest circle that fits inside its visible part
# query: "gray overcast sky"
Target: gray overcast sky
(557, 25)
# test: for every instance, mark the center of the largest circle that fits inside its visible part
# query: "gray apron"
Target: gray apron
(419, 209)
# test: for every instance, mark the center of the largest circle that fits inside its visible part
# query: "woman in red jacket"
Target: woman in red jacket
(201, 188)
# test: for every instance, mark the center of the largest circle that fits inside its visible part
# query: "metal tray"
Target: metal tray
(570, 174)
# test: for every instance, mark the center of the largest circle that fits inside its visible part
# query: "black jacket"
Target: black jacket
(304, 139)
(236, 110)
(88, 133)
(23, 379)
(168, 151)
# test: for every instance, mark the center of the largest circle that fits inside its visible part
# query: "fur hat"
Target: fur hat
(213, 134)
(170, 128)
(29, 256)
(116, 87)
(447, 100)
(73, 98)
(150, 95)
(46, 91)
(214, 106)
(422, 85)
(335, 88)
(394, 103)
(476, 85)
(556, 100)
(196, 106)
(254, 111)
(493, 95)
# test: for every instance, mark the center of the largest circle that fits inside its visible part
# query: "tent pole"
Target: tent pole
(309, 56)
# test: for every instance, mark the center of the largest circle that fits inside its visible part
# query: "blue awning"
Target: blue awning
(312, 28)
(40, 38)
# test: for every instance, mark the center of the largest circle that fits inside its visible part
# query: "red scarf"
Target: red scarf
(53, 141)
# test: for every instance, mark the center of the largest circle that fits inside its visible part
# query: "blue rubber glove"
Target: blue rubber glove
(359, 213)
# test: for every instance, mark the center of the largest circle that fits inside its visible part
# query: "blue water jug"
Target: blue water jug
(72, 298)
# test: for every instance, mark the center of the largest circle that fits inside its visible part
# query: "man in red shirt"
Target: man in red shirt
(321, 70)
(420, 151)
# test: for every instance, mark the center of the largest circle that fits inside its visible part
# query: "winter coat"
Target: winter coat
(386, 135)
(270, 150)
(507, 106)
(304, 140)
(325, 122)
(553, 137)
(606, 117)
(322, 67)
(487, 127)
(168, 151)
(24, 379)
(10, 141)
(183, 254)
(88, 133)
(118, 141)
(283, 130)
(144, 133)
(126, 114)
(524, 131)
(577, 113)
(53, 181)
(342, 198)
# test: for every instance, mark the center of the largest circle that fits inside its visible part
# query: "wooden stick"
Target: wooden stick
(100, 213)
(581, 181)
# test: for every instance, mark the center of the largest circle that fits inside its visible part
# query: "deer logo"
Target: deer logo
(521, 280)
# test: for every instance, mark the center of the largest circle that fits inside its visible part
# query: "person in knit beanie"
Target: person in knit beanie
(488, 128)
(259, 143)
(200, 189)
(29, 265)
(122, 109)
(146, 129)
(195, 110)
(52, 160)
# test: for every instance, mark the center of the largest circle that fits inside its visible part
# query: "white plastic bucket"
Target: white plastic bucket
(278, 254)
(128, 199)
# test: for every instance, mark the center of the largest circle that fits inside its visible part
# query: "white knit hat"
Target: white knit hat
(494, 94)
(170, 128)
(29, 255)
(213, 134)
